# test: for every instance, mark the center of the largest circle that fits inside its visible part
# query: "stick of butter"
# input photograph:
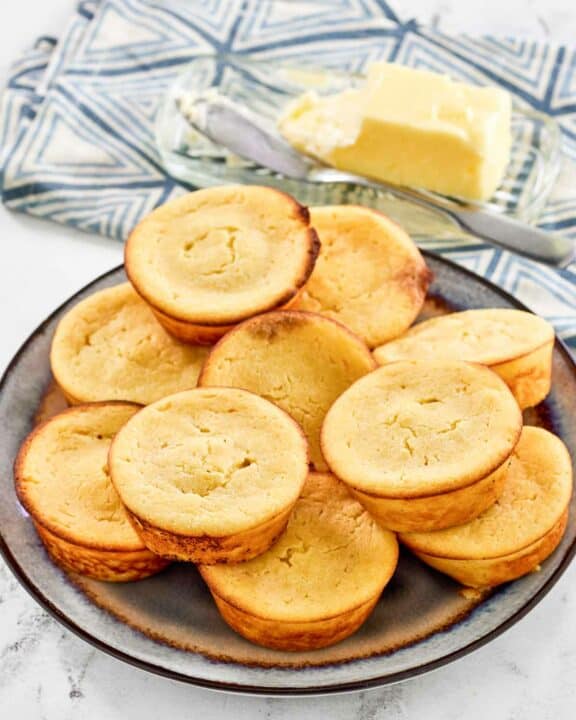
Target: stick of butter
(409, 127)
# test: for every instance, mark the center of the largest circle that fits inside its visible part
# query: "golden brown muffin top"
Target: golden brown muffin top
(63, 482)
(220, 255)
(487, 336)
(332, 558)
(416, 428)
(209, 461)
(300, 361)
(111, 347)
(369, 274)
(537, 491)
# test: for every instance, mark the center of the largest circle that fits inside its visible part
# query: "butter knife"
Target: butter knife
(256, 139)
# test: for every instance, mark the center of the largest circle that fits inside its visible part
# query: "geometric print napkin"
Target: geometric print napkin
(77, 116)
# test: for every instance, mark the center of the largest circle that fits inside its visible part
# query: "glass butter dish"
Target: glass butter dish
(266, 87)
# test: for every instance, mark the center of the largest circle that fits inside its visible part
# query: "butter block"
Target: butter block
(409, 127)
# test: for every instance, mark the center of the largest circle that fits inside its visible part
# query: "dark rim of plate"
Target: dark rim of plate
(357, 685)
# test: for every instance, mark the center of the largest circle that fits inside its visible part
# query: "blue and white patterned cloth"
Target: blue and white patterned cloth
(76, 120)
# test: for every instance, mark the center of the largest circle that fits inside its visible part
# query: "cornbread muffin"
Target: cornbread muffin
(515, 344)
(111, 347)
(300, 361)
(369, 274)
(208, 260)
(513, 536)
(209, 475)
(62, 480)
(318, 583)
(422, 443)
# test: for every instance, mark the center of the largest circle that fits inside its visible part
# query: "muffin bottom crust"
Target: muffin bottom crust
(189, 332)
(107, 565)
(435, 512)
(293, 636)
(487, 572)
(207, 549)
(529, 376)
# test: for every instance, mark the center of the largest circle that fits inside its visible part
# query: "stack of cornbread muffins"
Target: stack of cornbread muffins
(255, 401)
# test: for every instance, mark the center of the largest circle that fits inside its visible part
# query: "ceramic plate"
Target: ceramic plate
(169, 625)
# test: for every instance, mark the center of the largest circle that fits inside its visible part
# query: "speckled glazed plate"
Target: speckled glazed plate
(169, 625)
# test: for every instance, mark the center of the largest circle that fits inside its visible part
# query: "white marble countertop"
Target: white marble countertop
(46, 672)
